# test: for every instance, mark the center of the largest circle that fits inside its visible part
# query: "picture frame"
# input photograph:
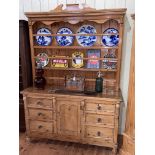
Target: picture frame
(77, 59)
(91, 63)
(109, 64)
(58, 62)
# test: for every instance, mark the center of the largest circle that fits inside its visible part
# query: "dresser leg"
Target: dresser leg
(28, 140)
(114, 150)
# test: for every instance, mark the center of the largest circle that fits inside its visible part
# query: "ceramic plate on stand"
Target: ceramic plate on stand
(86, 40)
(64, 40)
(42, 60)
(110, 40)
(109, 64)
(44, 40)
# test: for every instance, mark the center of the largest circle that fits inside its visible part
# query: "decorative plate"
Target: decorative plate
(109, 64)
(42, 60)
(44, 40)
(64, 40)
(110, 40)
(110, 53)
(86, 40)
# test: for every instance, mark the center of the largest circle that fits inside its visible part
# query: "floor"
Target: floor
(58, 148)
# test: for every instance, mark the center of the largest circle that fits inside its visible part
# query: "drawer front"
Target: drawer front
(40, 126)
(40, 102)
(99, 107)
(99, 119)
(99, 134)
(40, 114)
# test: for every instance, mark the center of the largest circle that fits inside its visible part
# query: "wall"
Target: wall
(46, 5)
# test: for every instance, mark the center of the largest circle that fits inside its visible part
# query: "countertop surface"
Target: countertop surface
(108, 93)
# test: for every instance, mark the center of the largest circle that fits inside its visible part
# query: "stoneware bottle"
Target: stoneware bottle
(99, 83)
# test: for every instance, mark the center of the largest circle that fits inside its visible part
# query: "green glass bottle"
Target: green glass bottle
(99, 83)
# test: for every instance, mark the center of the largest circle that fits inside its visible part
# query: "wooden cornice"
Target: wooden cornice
(75, 11)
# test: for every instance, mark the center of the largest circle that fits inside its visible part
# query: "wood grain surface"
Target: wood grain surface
(59, 148)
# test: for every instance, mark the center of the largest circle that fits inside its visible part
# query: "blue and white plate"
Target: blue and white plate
(86, 40)
(110, 40)
(44, 40)
(64, 40)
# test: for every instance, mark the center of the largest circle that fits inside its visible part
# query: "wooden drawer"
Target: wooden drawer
(40, 102)
(97, 119)
(40, 126)
(40, 114)
(99, 133)
(100, 107)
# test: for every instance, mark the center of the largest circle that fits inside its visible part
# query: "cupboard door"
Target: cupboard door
(68, 118)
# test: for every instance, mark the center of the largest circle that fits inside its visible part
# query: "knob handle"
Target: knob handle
(99, 120)
(98, 133)
(39, 103)
(99, 107)
(40, 126)
(39, 114)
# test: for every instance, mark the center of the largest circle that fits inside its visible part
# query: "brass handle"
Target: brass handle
(98, 133)
(99, 107)
(40, 126)
(99, 120)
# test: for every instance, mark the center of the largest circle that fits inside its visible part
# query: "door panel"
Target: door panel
(68, 118)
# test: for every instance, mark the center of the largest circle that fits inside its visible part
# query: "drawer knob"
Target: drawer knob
(98, 133)
(39, 103)
(39, 114)
(40, 126)
(99, 120)
(99, 107)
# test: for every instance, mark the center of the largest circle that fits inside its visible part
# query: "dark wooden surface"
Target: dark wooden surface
(25, 71)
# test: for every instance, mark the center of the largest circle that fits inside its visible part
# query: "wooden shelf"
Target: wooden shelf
(69, 58)
(73, 47)
(82, 69)
(73, 22)
(34, 35)
(86, 79)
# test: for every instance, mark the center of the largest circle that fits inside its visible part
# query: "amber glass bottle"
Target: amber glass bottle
(39, 80)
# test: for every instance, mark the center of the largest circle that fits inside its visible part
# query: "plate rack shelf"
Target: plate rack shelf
(85, 117)
(101, 20)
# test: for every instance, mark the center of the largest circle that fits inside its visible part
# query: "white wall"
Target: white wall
(46, 5)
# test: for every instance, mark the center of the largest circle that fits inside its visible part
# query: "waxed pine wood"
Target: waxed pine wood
(58, 147)
(74, 118)
(58, 18)
(66, 116)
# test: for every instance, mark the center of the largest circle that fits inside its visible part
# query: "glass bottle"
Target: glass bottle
(99, 83)
(39, 80)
